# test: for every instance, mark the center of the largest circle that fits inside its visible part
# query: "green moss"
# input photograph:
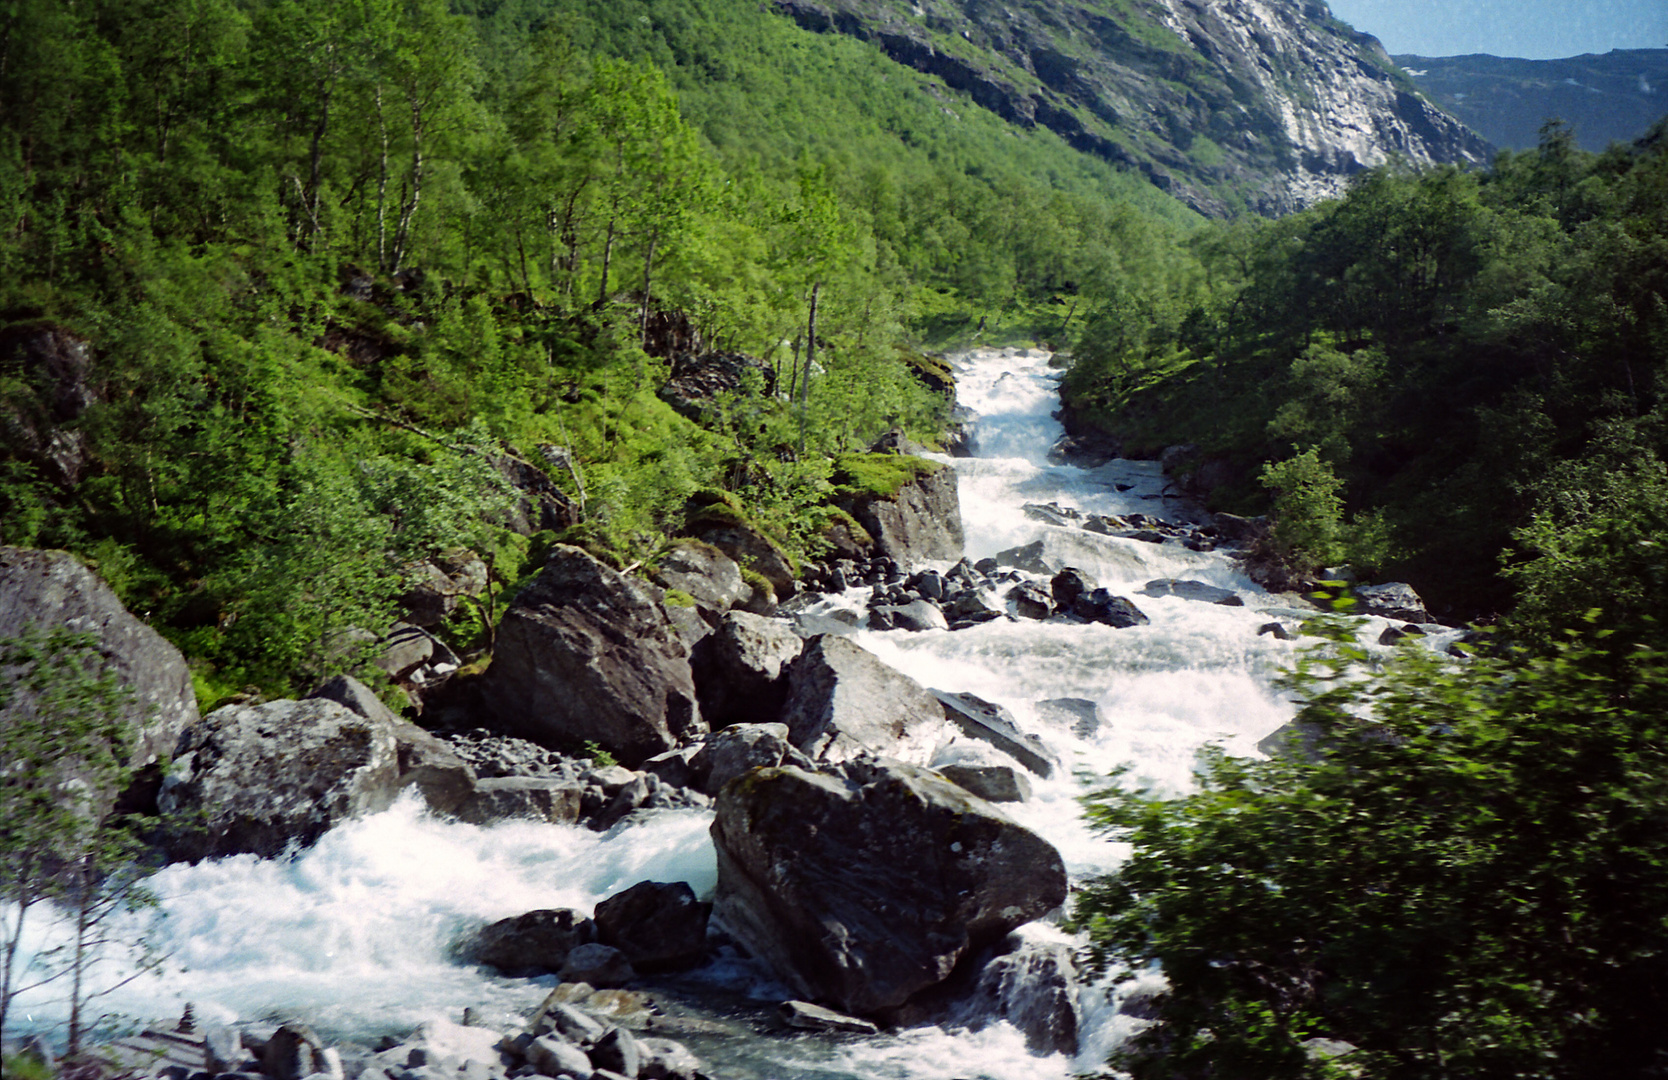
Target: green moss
(881, 475)
(758, 581)
(678, 598)
(837, 516)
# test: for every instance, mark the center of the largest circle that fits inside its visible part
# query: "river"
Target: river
(356, 933)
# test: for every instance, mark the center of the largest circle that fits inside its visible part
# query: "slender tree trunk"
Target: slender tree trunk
(382, 187)
(402, 238)
(648, 266)
(810, 355)
(316, 177)
(607, 257)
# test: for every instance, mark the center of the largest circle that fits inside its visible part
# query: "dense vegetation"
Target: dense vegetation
(1479, 358)
(335, 260)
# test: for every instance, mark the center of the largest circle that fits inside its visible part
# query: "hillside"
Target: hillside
(1266, 105)
(1613, 97)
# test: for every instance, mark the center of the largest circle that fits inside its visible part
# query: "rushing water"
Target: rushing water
(356, 933)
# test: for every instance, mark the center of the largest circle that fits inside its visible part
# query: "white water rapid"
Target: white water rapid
(354, 934)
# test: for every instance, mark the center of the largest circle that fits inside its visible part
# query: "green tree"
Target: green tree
(1462, 875)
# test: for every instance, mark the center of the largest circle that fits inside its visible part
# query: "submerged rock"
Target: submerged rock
(991, 723)
(867, 888)
(1193, 590)
(537, 941)
(659, 926)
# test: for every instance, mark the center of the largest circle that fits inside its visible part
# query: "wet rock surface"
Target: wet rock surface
(866, 887)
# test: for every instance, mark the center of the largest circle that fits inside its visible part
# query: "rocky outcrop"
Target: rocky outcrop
(708, 575)
(866, 888)
(55, 387)
(843, 701)
(714, 518)
(919, 520)
(585, 654)
(436, 586)
(696, 381)
(258, 778)
(1269, 101)
(51, 589)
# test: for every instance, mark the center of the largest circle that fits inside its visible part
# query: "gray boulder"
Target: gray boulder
(53, 383)
(1034, 987)
(1068, 585)
(1081, 714)
(1392, 600)
(916, 615)
(1027, 557)
(601, 966)
(843, 701)
(659, 926)
(50, 589)
(585, 654)
(295, 1051)
(729, 753)
(664, 1059)
(536, 941)
(865, 889)
(257, 778)
(739, 669)
(356, 696)
(810, 1017)
(1193, 590)
(920, 521)
(555, 799)
(704, 572)
(551, 1056)
(431, 766)
(1031, 601)
(992, 783)
(991, 723)
(617, 1052)
(1099, 605)
(411, 654)
(436, 586)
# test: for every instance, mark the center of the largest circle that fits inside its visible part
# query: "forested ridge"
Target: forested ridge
(327, 261)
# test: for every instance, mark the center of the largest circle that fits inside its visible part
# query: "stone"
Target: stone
(536, 941)
(919, 522)
(295, 1051)
(808, 1017)
(992, 783)
(438, 585)
(1034, 987)
(676, 767)
(1026, 557)
(1236, 529)
(718, 523)
(1277, 629)
(258, 778)
(573, 1024)
(1069, 584)
(697, 378)
(222, 1048)
(659, 926)
(740, 670)
(349, 691)
(1193, 590)
(916, 616)
(537, 798)
(52, 384)
(843, 701)
(410, 653)
(553, 1057)
(602, 966)
(1392, 600)
(1101, 606)
(664, 1059)
(729, 753)
(1031, 601)
(704, 572)
(617, 1052)
(1081, 714)
(973, 607)
(431, 766)
(585, 654)
(1052, 514)
(991, 723)
(864, 889)
(50, 589)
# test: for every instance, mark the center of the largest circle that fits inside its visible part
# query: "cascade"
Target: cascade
(356, 933)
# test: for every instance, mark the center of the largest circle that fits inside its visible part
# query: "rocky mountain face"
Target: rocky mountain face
(1268, 105)
(1605, 98)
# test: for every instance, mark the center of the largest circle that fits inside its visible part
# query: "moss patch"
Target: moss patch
(880, 475)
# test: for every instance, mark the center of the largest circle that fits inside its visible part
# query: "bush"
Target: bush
(1469, 878)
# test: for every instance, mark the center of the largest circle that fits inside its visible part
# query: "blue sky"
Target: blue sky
(1536, 29)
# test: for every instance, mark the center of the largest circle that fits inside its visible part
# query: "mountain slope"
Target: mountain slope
(1268, 105)
(1613, 97)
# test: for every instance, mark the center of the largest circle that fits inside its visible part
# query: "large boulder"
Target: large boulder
(660, 926)
(864, 889)
(991, 723)
(535, 941)
(715, 518)
(257, 778)
(585, 654)
(696, 380)
(51, 589)
(912, 516)
(843, 701)
(436, 586)
(740, 669)
(1392, 600)
(704, 572)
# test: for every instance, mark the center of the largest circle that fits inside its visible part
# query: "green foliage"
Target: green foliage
(1465, 879)
(600, 758)
(1307, 513)
(63, 761)
(882, 475)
